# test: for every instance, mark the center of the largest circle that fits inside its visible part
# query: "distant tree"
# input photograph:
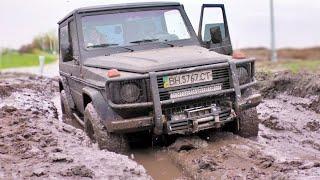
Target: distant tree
(46, 42)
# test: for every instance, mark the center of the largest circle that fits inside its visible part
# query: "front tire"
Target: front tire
(246, 125)
(249, 123)
(98, 132)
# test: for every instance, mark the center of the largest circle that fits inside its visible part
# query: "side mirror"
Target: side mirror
(216, 35)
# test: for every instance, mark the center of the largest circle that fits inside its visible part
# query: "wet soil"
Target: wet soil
(287, 146)
(34, 143)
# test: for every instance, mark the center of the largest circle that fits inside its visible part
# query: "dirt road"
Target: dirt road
(35, 144)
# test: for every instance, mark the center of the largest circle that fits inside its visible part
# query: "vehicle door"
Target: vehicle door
(70, 65)
(213, 29)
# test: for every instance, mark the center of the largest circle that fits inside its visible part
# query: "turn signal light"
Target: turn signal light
(113, 73)
(239, 55)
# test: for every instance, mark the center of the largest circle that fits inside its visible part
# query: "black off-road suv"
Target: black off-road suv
(141, 67)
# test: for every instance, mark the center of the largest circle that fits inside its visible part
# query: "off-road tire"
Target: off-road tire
(65, 107)
(249, 123)
(98, 132)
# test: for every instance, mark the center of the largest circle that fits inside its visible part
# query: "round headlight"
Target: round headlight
(130, 92)
(243, 75)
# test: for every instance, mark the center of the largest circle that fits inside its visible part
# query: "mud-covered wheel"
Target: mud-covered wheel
(246, 125)
(249, 123)
(65, 107)
(98, 132)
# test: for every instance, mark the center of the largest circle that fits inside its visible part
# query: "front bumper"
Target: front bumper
(158, 121)
(183, 126)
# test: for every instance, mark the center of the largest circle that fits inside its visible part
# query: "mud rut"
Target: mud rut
(35, 144)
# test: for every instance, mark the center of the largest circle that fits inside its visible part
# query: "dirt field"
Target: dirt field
(34, 143)
(285, 54)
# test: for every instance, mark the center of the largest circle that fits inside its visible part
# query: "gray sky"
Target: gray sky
(297, 21)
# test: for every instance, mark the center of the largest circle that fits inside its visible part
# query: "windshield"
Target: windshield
(130, 28)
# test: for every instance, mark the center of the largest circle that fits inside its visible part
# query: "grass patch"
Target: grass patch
(14, 60)
(291, 65)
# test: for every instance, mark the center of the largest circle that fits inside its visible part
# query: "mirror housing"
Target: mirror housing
(216, 35)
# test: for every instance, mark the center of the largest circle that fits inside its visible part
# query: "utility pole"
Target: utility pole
(0, 58)
(273, 38)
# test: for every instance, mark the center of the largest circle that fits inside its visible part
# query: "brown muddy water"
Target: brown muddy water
(157, 163)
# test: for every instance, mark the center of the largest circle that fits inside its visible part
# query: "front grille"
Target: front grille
(219, 75)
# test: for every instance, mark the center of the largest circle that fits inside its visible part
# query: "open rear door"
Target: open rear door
(213, 29)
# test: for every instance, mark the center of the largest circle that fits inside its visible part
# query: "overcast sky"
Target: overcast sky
(297, 21)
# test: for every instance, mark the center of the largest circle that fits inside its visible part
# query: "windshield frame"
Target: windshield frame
(87, 52)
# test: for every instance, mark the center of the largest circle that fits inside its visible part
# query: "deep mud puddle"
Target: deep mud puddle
(157, 163)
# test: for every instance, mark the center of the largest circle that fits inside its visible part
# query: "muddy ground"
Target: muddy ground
(288, 145)
(34, 143)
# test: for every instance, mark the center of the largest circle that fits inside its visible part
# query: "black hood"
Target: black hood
(158, 60)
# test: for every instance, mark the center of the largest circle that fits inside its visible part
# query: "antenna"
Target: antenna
(273, 39)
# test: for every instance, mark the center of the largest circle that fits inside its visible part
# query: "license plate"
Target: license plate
(188, 78)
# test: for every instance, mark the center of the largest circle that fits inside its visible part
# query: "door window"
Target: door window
(213, 22)
(65, 44)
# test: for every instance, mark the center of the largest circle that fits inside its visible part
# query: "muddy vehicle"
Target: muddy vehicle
(142, 68)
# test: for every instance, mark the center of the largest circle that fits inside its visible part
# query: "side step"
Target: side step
(78, 119)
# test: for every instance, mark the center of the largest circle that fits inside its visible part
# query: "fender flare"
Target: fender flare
(66, 88)
(100, 104)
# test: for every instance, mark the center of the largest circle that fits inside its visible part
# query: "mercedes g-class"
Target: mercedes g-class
(141, 67)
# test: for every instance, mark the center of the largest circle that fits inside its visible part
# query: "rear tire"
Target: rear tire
(65, 107)
(98, 132)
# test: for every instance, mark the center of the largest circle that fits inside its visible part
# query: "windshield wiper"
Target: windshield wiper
(129, 49)
(166, 43)
(101, 45)
(108, 45)
(144, 40)
(153, 40)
